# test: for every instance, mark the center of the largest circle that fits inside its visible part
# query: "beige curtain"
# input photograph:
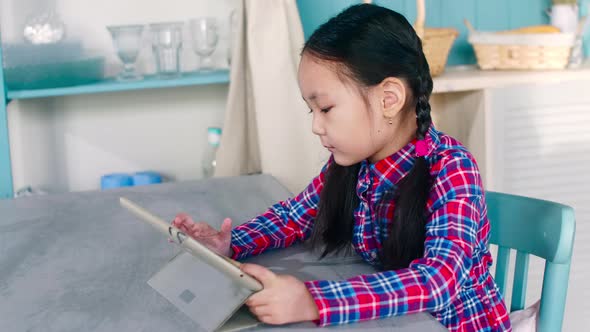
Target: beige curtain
(266, 126)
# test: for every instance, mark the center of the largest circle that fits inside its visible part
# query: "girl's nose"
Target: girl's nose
(317, 125)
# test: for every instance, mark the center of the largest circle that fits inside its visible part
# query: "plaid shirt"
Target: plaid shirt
(451, 281)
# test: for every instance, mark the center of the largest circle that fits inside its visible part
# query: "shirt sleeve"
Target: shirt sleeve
(282, 225)
(430, 283)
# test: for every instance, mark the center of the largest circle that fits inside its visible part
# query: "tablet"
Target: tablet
(225, 265)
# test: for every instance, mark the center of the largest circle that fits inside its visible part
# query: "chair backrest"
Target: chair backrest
(542, 228)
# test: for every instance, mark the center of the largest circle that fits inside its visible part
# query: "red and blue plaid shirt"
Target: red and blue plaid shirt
(452, 280)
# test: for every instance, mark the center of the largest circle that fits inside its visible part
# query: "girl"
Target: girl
(406, 197)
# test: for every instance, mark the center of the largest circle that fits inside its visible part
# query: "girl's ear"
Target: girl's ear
(393, 97)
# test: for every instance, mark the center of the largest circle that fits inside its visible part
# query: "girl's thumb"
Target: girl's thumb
(226, 226)
(259, 272)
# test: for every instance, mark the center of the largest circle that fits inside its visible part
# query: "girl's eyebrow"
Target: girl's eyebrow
(313, 96)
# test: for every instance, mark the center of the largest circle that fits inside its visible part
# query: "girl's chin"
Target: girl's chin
(344, 160)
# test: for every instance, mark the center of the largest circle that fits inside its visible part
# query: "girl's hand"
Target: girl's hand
(284, 299)
(218, 241)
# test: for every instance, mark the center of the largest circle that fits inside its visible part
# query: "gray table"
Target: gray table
(79, 262)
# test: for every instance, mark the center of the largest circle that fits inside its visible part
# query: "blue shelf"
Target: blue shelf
(112, 85)
(109, 85)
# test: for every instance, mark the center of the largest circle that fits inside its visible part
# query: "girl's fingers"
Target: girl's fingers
(254, 302)
(176, 222)
(184, 228)
(266, 319)
(179, 225)
(259, 311)
(195, 230)
(198, 229)
(258, 299)
(179, 221)
(203, 229)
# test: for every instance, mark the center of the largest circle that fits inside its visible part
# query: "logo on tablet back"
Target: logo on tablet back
(187, 296)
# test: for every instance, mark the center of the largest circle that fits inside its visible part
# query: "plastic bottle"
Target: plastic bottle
(209, 162)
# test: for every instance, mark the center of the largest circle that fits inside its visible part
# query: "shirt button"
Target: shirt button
(374, 255)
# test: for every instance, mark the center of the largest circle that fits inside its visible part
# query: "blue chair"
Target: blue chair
(541, 228)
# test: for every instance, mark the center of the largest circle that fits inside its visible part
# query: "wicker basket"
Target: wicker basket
(521, 51)
(436, 42)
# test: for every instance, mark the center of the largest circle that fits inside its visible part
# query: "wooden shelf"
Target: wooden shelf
(469, 78)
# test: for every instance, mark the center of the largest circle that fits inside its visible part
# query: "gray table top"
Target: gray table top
(79, 262)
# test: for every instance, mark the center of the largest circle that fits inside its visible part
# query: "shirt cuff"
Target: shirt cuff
(237, 252)
(315, 289)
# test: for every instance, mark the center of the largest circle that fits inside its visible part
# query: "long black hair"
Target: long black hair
(370, 43)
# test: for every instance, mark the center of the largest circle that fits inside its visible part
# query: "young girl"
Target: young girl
(406, 197)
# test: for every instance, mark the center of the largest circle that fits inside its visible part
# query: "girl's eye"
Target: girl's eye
(323, 110)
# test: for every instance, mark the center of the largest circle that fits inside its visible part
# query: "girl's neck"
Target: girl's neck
(402, 134)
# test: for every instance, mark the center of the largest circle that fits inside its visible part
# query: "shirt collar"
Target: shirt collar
(393, 168)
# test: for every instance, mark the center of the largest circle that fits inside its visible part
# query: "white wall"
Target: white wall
(542, 149)
(67, 143)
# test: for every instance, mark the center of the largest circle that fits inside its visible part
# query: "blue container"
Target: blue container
(144, 178)
(116, 180)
